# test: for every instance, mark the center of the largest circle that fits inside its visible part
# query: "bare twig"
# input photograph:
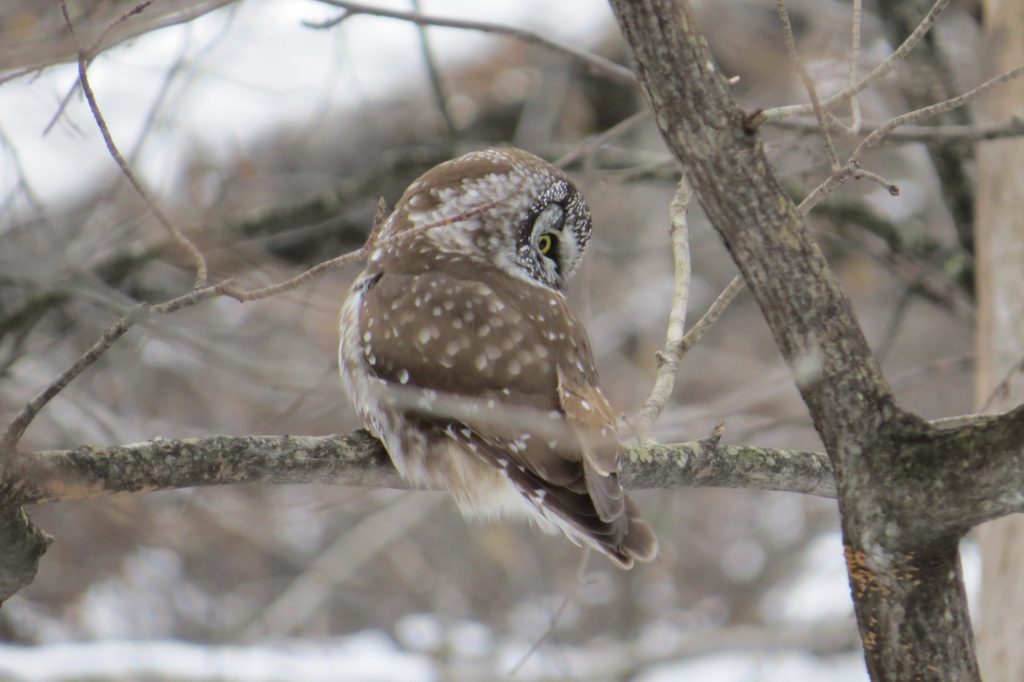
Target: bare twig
(852, 166)
(349, 553)
(177, 235)
(912, 133)
(861, 174)
(163, 15)
(14, 431)
(359, 254)
(590, 61)
(712, 314)
(289, 284)
(595, 142)
(436, 84)
(855, 120)
(805, 77)
(873, 77)
(668, 359)
(581, 569)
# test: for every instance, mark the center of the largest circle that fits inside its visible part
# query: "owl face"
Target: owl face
(503, 207)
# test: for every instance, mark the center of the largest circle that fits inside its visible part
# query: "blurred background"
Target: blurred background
(269, 142)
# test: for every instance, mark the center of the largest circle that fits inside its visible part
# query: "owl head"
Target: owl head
(500, 206)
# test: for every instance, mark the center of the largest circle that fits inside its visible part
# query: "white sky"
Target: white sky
(255, 66)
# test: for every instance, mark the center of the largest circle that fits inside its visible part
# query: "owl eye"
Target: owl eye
(546, 243)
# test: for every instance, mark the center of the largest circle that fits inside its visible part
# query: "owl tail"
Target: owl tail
(625, 539)
(596, 513)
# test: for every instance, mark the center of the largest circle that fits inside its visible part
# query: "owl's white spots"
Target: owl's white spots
(514, 368)
(457, 323)
(424, 335)
(403, 376)
(449, 304)
(496, 322)
(436, 311)
(367, 336)
(540, 350)
(481, 362)
(507, 344)
(452, 348)
(554, 414)
(493, 352)
(552, 301)
(585, 405)
(553, 444)
(506, 391)
(483, 330)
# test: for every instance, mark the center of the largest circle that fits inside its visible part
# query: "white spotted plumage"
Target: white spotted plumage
(459, 351)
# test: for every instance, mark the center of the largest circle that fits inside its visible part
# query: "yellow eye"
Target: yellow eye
(545, 244)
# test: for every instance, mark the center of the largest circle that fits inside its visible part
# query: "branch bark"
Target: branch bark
(358, 459)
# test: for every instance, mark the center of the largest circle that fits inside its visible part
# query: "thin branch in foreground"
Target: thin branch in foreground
(588, 60)
(805, 77)
(668, 359)
(436, 84)
(855, 119)
(264, 292)
(372, 242)
(595, 142)
(577, 583)
(176, 234)
(300, 601)
(913, 133)
(16, 429)
(715, 311)
(852, 166)
(873, 77)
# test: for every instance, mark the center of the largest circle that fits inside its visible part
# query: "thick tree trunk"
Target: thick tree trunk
(1000, 341)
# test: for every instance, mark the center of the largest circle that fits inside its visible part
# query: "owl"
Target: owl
(460, 353)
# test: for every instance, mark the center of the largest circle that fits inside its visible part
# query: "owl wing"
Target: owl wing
(519, 367)
(593, 422)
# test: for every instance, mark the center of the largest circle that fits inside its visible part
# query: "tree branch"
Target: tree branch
(588, 60)
(895, 474)
(358, 459)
